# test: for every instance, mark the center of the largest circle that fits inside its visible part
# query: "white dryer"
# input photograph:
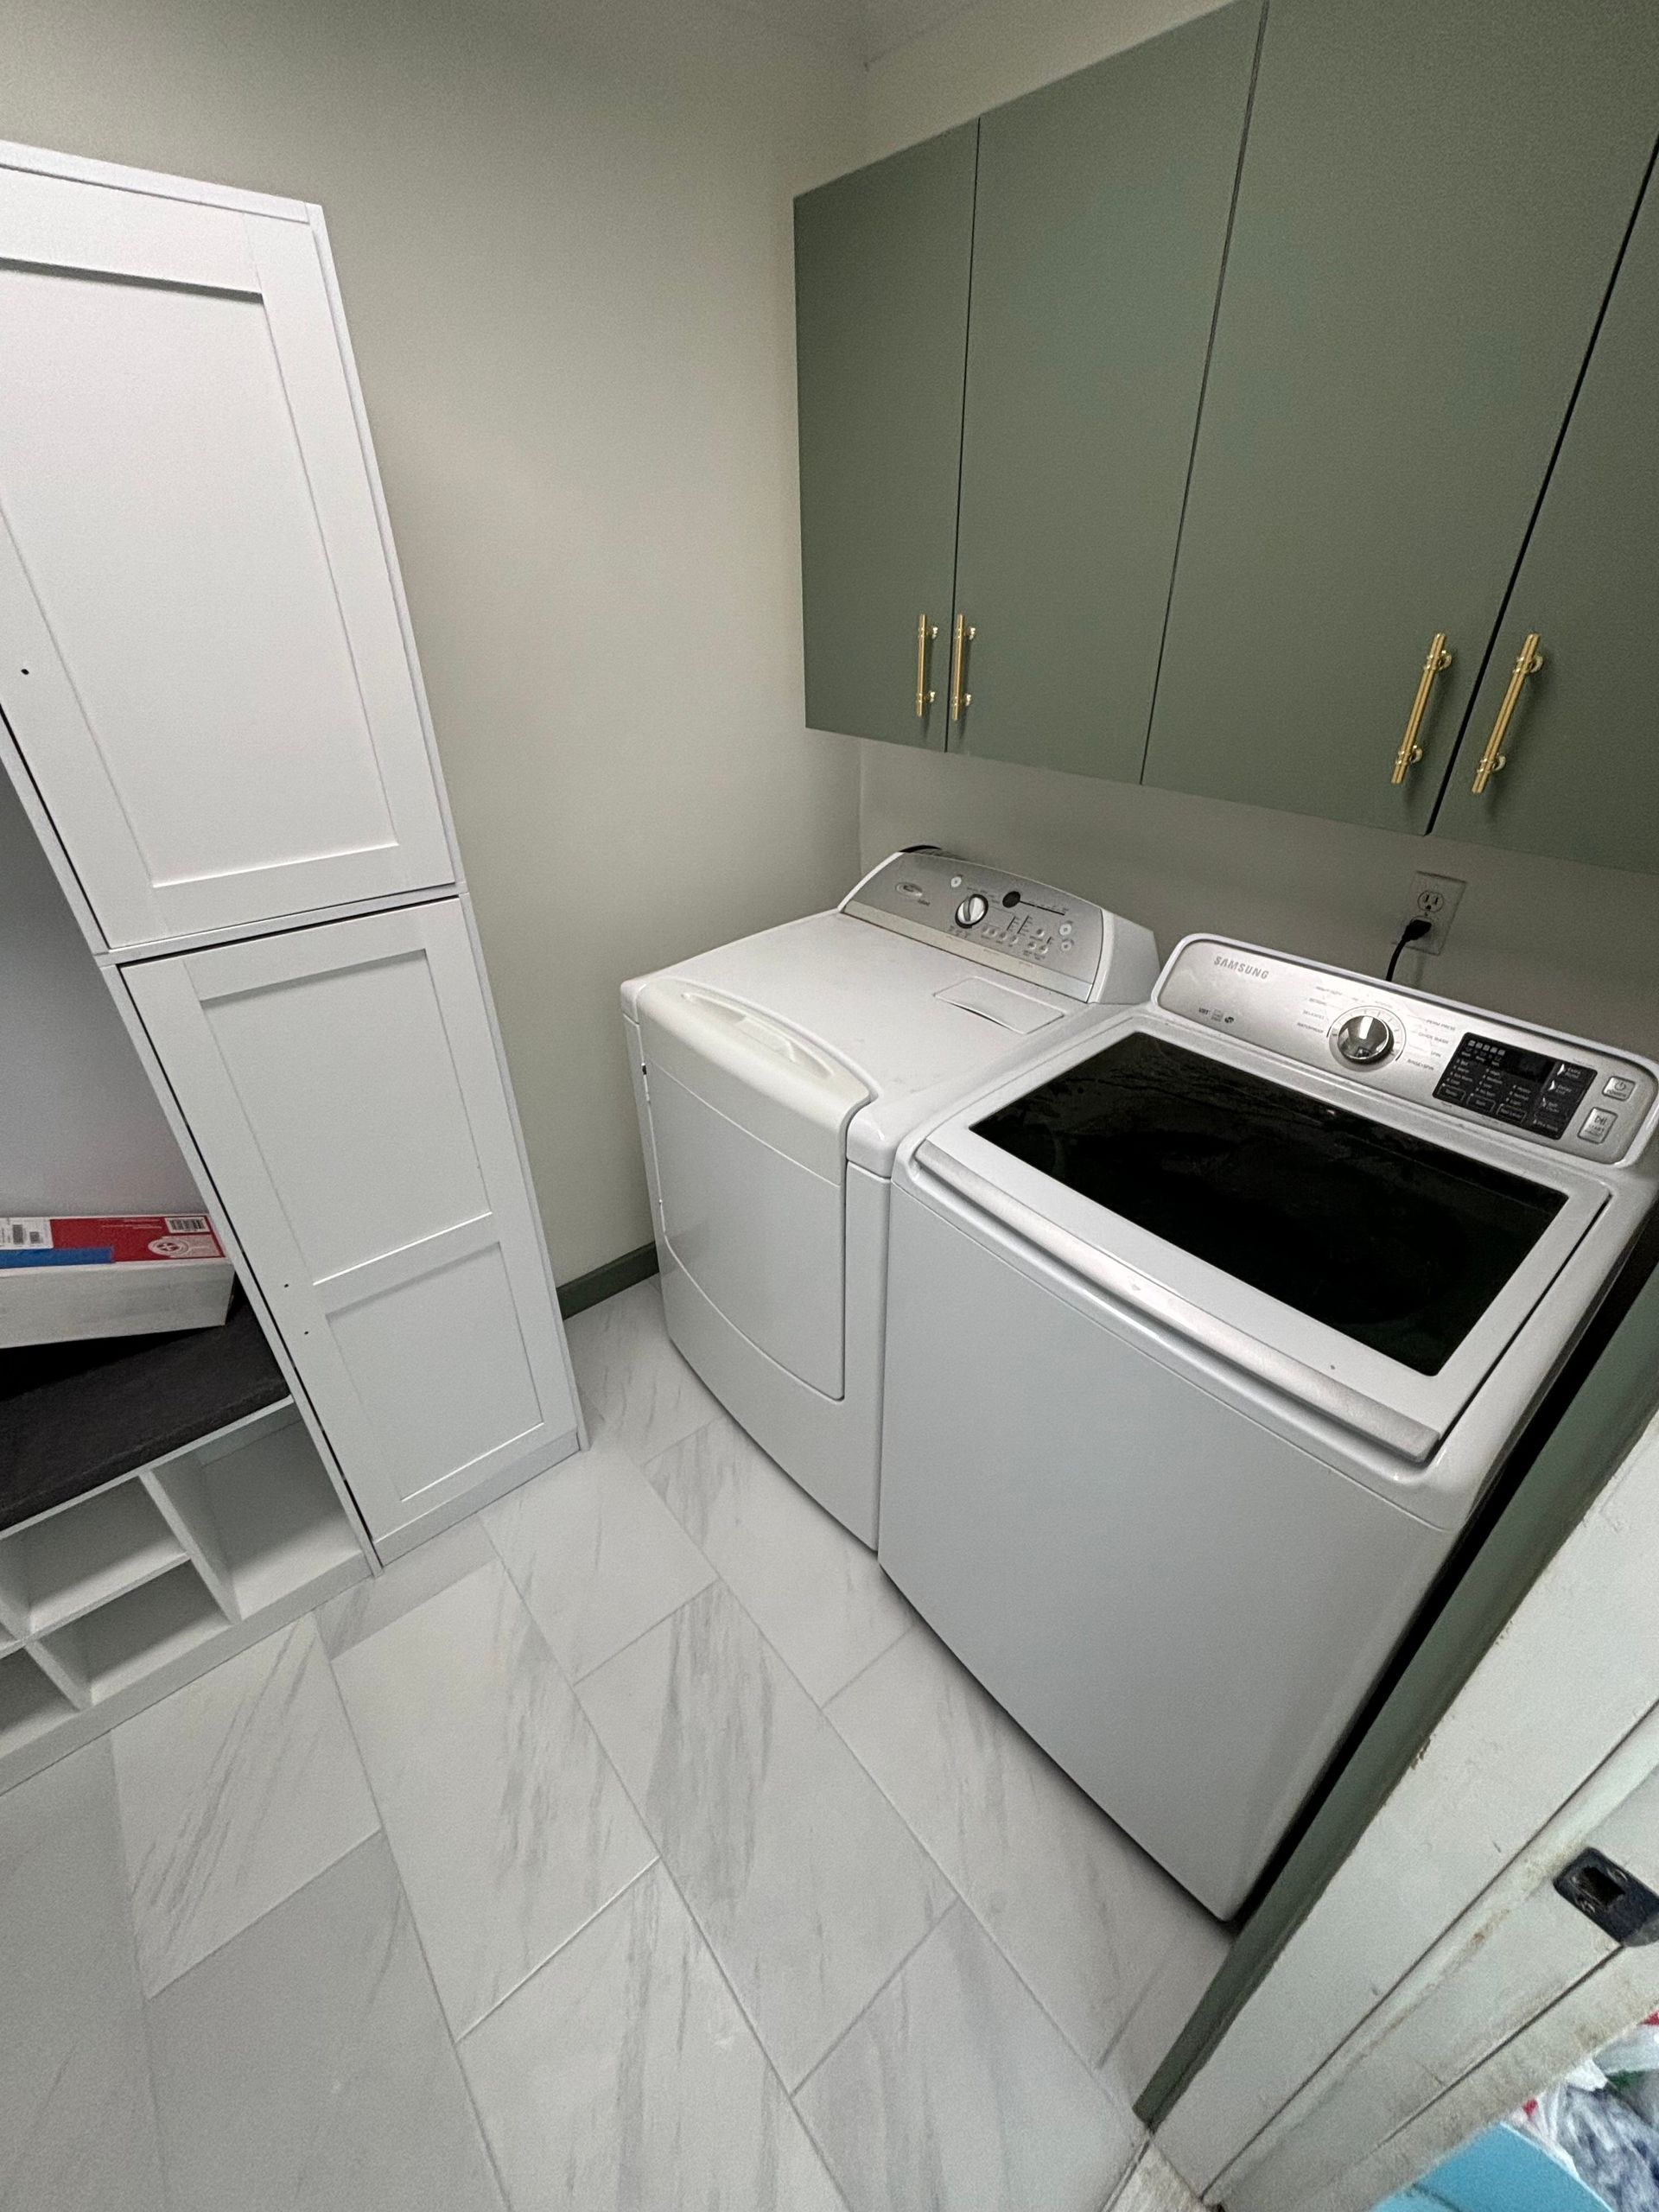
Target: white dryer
(1205, 1333)
(775, 1080)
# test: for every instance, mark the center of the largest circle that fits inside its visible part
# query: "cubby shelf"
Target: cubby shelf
(137, 1634)
(82, 1556)
(118, 1595)
(30, 1705)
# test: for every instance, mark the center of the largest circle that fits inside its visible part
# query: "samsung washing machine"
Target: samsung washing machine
(775, 1080)
(1206, 1332)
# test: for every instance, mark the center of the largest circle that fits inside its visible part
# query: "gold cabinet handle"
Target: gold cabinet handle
(1410, 751)
(925, 634)
(1528, 662)
(960, 700)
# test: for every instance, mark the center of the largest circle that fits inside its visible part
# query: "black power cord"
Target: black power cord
(1415, 928)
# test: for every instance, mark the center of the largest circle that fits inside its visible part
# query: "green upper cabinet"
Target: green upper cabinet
(1100, 227)
(1580, 774)
(1431, 206)
(881, 271)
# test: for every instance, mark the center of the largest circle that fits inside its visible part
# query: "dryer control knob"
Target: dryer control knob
(974, 908)
(1365, 1038)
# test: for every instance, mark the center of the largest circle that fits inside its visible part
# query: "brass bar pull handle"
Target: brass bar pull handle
(925, 634)
(1410, 751)
(960, 700)
(1528, 662)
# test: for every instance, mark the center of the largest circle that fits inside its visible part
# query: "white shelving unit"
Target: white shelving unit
(113, 1599)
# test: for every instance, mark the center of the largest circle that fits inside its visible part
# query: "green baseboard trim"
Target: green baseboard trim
(600, 1283)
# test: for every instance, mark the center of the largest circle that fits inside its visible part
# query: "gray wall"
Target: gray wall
(1572, 946)
(80, 1129)
(564, 235)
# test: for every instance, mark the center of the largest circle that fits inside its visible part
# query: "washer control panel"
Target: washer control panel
(1529, 1090)
(1365, 1040)
(1009, 922)
(1552, 1090)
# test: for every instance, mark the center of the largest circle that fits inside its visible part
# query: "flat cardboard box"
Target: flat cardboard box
(68, 1276)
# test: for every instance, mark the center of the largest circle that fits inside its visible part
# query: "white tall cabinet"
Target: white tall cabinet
(214, 718)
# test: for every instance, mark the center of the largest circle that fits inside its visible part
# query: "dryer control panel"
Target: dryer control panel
(1553, 1091)
(1010, 922)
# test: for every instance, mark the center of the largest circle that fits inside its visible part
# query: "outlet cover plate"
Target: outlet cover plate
(1435, 900)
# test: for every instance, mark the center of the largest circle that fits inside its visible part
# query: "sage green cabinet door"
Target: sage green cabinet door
(1099, 229)
(1581, 778)
(1432, 203)
(881, 264)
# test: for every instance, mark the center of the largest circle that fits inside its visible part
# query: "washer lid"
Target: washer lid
(1169, 1168)
(886, 1009)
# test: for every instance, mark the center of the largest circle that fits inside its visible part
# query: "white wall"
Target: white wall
(80, 1130)
(564, 235)
(1575, 947)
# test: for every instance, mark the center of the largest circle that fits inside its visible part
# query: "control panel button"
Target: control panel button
(1507, 1083)
(974, 908)
(1597, 1124)
(1363, 1039)
(1010, 898)
(1619, 1086)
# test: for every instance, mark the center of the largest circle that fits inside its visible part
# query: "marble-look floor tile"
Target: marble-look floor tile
(809, 1887)
(817, 1593)
(508, 1826)
(1153, 2185)
(77, 2126)
(637, 1389)
(1087, 1917)
(305, 2067)
(955, 2092)
(1167, 2003)
(624, 2078)
(596, 1555)
(233, 1792)
(356, 1613)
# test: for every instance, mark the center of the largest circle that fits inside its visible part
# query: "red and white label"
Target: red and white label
(117, 1239)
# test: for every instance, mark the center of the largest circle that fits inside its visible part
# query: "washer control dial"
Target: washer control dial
(1365, 1040)
(974, 908)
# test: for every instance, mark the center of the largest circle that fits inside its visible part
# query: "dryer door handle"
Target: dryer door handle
(1339, 1401)
(786, 1091)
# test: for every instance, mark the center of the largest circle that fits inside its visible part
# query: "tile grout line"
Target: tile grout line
(572, 1680)
(129, 1922)
(767, 2058)
(1096, 2070)
(709, 1942)
(957, 1904)
(875, 1659)
(960, 1903)
(1107, 2089)
(703, 1935)
(406, 1905)
(820, 1705)
(295, 1629)
(632, 1882)
(391, 1848)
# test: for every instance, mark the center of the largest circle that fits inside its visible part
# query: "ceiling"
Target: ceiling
(856, 31)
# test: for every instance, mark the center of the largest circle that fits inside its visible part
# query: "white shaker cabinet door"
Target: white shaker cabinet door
(341, 1084)
(203, 655)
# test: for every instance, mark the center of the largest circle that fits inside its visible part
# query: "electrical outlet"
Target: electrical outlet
(1435, 900)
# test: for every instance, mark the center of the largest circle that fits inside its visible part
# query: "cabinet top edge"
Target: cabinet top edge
(81, 168)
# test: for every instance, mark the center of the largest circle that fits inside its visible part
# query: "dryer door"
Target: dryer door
(748, 1122)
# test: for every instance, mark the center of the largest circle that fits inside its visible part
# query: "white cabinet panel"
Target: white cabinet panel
(342, 1085)
(202, 656)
